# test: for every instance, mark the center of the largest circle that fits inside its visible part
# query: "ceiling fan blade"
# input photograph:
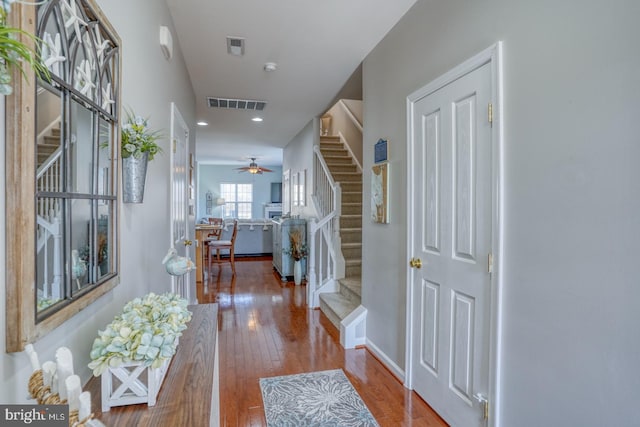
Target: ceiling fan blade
(253, 168)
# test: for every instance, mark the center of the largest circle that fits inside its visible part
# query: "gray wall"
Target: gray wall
(211, 176)
(570, 344)
(144, 227)
(298, 156)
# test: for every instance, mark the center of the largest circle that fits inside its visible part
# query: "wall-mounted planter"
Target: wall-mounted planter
(134, 174)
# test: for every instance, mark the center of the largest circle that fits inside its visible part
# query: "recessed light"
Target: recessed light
(257, 119)
(270, 66)
(201, 123)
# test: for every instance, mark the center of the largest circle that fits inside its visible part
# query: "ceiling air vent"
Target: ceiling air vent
(235, 46)
(236, 104)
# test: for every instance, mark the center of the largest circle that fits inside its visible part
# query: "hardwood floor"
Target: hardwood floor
(266, 329)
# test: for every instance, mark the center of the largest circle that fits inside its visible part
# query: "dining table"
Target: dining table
(203, 233)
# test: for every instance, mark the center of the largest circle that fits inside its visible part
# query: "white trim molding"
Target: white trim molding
(396, 370)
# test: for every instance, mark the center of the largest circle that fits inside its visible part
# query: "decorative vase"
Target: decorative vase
(297, 272)
(134, 174)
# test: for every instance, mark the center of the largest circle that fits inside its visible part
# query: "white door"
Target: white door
(179, 198)
(451, 233)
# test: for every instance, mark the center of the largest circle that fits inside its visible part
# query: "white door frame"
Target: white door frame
(177, 122)
(492, 55)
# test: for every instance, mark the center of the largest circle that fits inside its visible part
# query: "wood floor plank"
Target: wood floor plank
(266, 329)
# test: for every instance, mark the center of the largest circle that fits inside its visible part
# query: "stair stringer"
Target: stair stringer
(353, 328)
(350, 151)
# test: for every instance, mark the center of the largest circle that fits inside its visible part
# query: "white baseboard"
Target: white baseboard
(386, 361)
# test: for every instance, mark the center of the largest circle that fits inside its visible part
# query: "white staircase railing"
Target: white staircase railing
(49, 229)
(49, 179)
(326, 263)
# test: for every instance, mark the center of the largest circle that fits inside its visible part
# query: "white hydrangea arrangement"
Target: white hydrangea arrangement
(146, 331)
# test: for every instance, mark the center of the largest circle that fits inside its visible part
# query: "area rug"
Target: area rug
(324, 398)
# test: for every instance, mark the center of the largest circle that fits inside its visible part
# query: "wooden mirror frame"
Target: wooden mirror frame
(22, 326)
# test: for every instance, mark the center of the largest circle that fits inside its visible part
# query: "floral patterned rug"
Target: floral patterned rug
(324, 398)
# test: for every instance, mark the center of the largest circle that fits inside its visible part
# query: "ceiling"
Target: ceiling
(317, 46)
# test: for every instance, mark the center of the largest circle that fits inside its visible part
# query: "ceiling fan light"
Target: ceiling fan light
(253, 168)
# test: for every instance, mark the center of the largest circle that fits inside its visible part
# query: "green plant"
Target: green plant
(137, 138)
(15, 53)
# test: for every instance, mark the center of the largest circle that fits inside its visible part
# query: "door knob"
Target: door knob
(188, 242)
(415, 263)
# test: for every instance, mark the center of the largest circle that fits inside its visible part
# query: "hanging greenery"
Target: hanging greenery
(14, 54)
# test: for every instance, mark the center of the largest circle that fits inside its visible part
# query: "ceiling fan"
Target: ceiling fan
(254, 168)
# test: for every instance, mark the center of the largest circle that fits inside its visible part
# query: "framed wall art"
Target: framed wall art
(380, 193)
(380, 151)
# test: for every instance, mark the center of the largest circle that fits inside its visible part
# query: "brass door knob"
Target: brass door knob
(188, 242)
(415, 263)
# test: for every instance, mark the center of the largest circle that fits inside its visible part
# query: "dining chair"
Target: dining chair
(218, 222)
(213, 234)
(223, 245)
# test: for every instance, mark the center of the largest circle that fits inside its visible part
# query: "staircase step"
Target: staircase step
(351, 221)
(47, 147)
(351, 288)
(338, 160)
(351, 208)
(352, 197)
(330, 138)
(348, 177)
(351, 187)
(342, 168)
(352, 250)
(331, 145)
(337, 151)
(52, 140)
(336, 307)
(351, 235)
(55, 132)
(353, 268)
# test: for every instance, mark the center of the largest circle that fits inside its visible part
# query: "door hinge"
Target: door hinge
(484, 404)
(490, 263)
(490, 113)
(175, 145)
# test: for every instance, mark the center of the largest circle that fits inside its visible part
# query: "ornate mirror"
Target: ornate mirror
(62, 164)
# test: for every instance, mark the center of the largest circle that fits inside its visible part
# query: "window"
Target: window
(238, 200)
(61, 168)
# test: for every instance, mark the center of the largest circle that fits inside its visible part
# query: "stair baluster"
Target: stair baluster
(49, 227)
